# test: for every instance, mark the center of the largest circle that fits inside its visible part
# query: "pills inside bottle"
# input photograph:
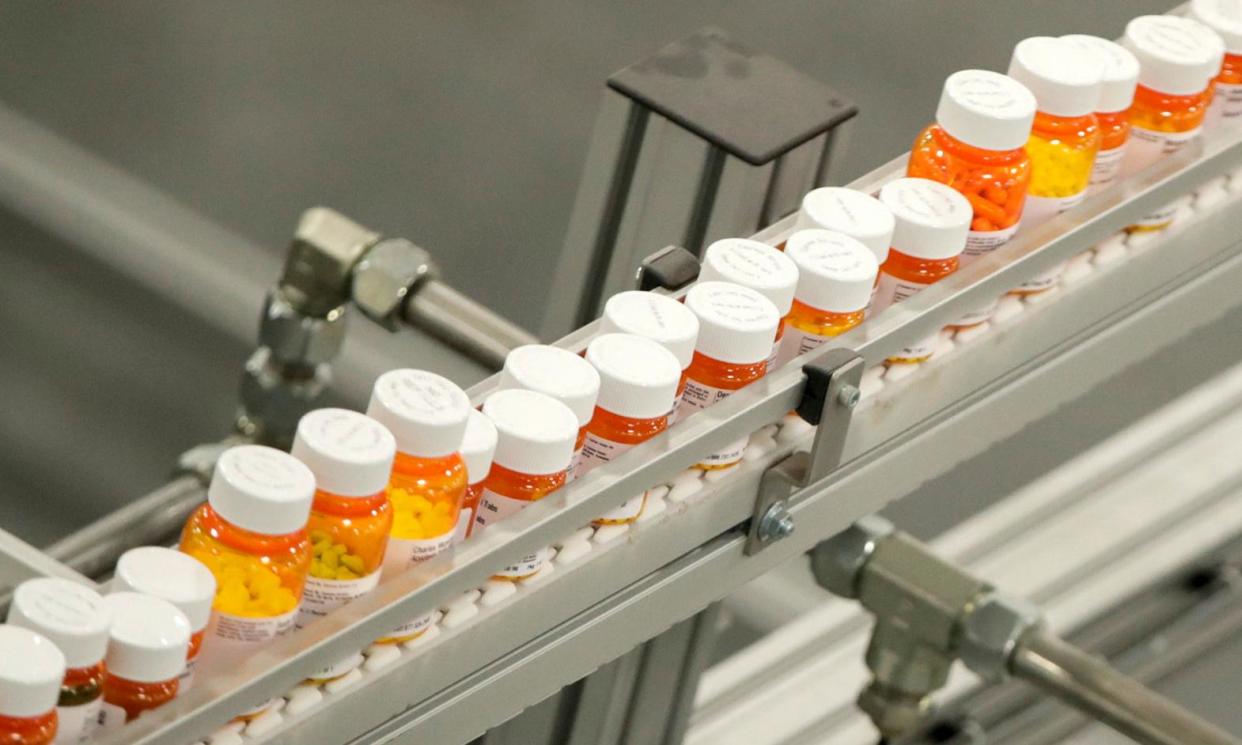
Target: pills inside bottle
(147, 645)
(31, 671)
(836, 275)
(477, 449)
(558, 373)
(1225, 18)
(659, 318)
(758, 266)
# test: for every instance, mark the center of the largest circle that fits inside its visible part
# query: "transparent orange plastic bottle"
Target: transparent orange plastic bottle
(736, 328)
(75, 619)
(31, 671)
(178, 578)
(853, 213)
(560, 374)
(638, 384)
(836, 275)
(758, 266)
(1225, 18)
(351, 457)
(932, 221)
(477, 449)
(147, 646)
(427, 414)
(534, 448)
(1119, 71)
(976, 146)
(658, 318)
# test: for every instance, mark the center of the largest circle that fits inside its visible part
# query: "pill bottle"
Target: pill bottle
(836, 274)
(558, 373)
(31, 671)
(736, 326)
(147, 645)
(1119, 71)
(1225, 18)
(1177, 61)
(932, 221)
(477, 449)
(860, 216)
(758, 266)
(181, 580)
(74, 618)
(426, 414)
(660, 319)
(638, 385)
(536, 439)
(251, 535)
(351, 458)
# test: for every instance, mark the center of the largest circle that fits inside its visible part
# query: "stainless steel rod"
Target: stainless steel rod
(472, 329)
(1123, 703)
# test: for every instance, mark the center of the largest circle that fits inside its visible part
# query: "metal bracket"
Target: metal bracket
(671, 268)
(828, 399)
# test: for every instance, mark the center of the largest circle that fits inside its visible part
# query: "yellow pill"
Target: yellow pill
(344, 573)
(354, 564)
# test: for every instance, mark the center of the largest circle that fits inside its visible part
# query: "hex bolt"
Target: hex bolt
(776, 523)
(849, 396)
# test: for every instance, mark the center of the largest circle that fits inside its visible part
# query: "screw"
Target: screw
(848, 396)
(776, 523)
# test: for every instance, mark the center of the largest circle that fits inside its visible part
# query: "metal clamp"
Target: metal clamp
(671, 268)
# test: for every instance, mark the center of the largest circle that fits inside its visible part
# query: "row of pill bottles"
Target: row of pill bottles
(1225, 18)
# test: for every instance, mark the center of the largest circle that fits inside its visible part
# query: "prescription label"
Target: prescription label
(798, 342)
(892, 290)
(699, 396)
(110, 717)
(495, 507)
(77, 724)
(1107, 167)
(980, 242)
(1039, 210)
(322, 596)
(403, 553)
(241, 634)
(1226, 105)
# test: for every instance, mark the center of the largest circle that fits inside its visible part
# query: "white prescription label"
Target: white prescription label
(1039, 210)
(463, 524)
(895, 290)
(495, 507)
(699, 396)
(597, 450)
(1226, 106)
(797, 342)
(980, 242)
(1147, 146)
(187, 675)
(111, 717)
(77, 724)
(1107, 167)
(773, 355)
(403, 553)
(323, 596)
(240, 635)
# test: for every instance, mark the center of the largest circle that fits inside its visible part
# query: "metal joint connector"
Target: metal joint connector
(385, 278)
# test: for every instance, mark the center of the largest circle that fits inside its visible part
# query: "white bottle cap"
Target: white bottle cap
(657, 317)
(426, 412)
(860, 216)
(261, 489)
(736, 324)
(1119, 70)
(836, 272)
(70, 615)
(31, 670)
(149, 638)
(932, 219)
(1175, 55)
(752, 264)
(171, 575)
(555, 372)
(1222, 16)
(536, 433)
(479, 446)
(986, 110)
(1064, 79)
(350, 454)
(638, 377)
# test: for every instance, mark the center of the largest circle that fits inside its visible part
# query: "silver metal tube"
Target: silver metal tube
(1091, 686)
(468, 327)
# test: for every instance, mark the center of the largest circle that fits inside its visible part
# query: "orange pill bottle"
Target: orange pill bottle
(1225, 18)
(560, 374)
(736, 328)
(351, 458)
(147, 645)
(31, 671)
(758, 266)
(836, 275)
(477, 449)
(976, 146)
(1177, 58)
(426, 414)
(929, 235)
(860, 216)
(1119, 71)
(536, 437)
(638, 385)
(75, 619)
(178, 578)
(658, 318)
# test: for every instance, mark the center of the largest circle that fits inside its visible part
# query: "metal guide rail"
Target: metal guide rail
(496, 652)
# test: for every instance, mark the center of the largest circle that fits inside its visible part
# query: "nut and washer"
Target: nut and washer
(386, 277)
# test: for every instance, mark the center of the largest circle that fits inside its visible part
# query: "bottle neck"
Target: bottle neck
(335, 505)
(976, 155)
(1065, 128)
(245, 540)
(624, 429)
(915, 269)
(528, 487)
(726, 375)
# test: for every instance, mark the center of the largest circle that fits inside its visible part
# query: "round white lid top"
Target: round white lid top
(638, 377)
(1222, 16)
(837, 272)
(1119, 70)
(657, 317)
(171, 575)
(31, 670)
(858, 215)
(478, 446)
(70, 615)
(986, 109)
(425, 412)
(736, 324)
(261, 489)
(349, 453)
(1176, 55)
(148, 640)
(536, 433)
(932, 219)
(752, 264)
(555, 372)
(1064, 78)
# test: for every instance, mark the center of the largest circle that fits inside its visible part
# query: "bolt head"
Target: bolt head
(849, 396)
(386, 276)
(776, 523)
(991, 630)
(297, 338)
(838, 561)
